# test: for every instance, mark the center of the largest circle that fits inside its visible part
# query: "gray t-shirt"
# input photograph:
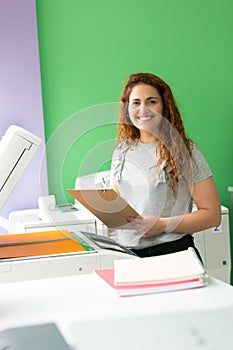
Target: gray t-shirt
(146, 187)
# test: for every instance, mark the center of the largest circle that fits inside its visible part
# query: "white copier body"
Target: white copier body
(213, 244)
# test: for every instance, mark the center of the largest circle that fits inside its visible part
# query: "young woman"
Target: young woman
(159, 171)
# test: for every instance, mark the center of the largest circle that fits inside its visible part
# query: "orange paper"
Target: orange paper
(38, 243)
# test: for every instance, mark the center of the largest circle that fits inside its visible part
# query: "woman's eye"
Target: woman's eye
(152, 102)
(135, 104)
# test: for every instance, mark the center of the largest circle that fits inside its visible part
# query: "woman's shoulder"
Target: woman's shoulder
(201, 168)
(196, 152)
(121, 148)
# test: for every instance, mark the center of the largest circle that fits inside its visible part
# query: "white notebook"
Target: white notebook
(179, 266)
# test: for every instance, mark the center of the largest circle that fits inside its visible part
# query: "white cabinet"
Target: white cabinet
(214, 247)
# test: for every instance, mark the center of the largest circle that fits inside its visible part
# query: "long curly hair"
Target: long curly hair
(174, 147)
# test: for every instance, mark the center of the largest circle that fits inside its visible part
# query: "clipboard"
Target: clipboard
(107, 206)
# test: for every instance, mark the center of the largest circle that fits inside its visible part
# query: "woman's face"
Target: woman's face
(145, 107)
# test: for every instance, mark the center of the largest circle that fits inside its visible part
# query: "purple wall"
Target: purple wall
(20, 94)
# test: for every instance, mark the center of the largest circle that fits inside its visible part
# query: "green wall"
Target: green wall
(87, 49)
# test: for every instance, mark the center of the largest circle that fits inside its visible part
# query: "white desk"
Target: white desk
(84, 307)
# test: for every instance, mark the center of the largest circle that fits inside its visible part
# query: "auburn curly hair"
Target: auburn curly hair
(173, 147)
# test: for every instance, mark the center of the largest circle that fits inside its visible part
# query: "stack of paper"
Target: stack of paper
(170, 272)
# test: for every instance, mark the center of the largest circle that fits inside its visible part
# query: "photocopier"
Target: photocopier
(213, 244)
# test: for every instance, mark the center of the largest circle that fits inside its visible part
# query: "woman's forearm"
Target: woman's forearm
(193, 222)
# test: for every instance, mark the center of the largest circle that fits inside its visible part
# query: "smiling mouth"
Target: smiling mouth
(145, 119)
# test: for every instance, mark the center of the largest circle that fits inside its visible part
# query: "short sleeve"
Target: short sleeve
(201, 169)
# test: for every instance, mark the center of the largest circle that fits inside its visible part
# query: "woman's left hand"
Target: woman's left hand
(147, 225)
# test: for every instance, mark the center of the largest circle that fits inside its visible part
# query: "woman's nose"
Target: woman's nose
(143, 110)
